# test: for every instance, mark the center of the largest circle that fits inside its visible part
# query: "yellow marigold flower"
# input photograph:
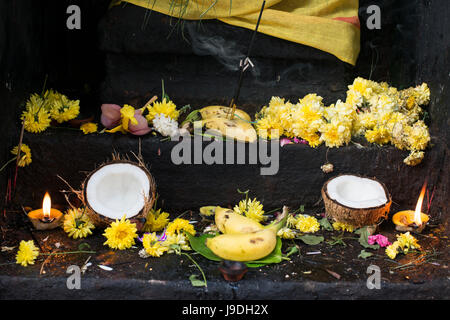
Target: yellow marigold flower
(35, 118)
(307, 224)
(418, 136)
(65, 109)
(269, 128)
(27, 253)
(121, 234)
(286, 233)
(252, 209)
(89, 127)
(385, 104)
(51, 97)
(25, 154)
(156, 221)
(153, 246)
(335, 134)
(392, 250)
(127, 115)
(343, 226)
(178, 225)
(411, 102)
(363, 122)
(313, 140)
(176, 239)
(168, 108)
(414, 158)
(406, 241)
(77, 224)
(422, 94)
(291, 221)
(276, 101)
(354, 98)
(379, 135)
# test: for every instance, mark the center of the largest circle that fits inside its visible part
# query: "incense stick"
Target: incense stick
(242, 66)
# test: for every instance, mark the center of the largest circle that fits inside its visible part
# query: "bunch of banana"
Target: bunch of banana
(217, 118)
(244, 239)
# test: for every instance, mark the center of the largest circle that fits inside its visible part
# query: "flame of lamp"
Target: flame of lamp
(410, 220)
(46, 218)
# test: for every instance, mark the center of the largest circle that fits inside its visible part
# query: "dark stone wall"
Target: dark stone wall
(35, 42)
(119, 57)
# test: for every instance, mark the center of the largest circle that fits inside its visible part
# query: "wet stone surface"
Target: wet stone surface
(318, 271)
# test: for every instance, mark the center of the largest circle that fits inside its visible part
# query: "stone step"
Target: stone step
(71, 154)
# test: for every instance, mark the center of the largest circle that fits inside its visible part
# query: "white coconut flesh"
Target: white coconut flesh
(356, 192)
(118, 189)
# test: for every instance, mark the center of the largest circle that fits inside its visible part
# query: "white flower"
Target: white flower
(143, 254)
(166, 125)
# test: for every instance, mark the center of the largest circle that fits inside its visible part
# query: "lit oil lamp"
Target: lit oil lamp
(409, 220)
(46, 218)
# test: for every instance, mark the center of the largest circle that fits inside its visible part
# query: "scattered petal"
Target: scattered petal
(106, 268)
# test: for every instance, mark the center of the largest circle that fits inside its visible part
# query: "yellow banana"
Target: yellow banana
(208, 210)
(223, 112)
(249, 246)
(230, 222)
(234, 129)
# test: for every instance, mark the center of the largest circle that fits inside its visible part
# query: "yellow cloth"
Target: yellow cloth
(328, 25)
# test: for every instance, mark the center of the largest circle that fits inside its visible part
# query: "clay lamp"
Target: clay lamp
(409, 220)
(233, 271)
(46, 218)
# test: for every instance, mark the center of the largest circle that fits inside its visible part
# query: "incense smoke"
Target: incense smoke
(228, 53)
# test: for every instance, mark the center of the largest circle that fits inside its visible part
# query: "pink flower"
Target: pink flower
(142, 127)
(110, 115)
(285, 141)
(111, 118)
(380, 239)
(297, 140)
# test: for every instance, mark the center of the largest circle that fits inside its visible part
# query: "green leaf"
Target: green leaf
(83, 246)
(276, 256)
(364, 239)
(337, 240)
(364, 254)
(198, 244)
(292, 250)
(326, 224)
(310, 239)
(196, 282)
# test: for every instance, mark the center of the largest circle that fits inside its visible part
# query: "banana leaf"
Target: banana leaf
(198, 244)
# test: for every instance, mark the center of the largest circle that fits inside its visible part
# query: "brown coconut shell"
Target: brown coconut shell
(103, 222)
(355, 216)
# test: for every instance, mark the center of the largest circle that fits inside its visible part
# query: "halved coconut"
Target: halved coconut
(116, 189)
(356, 200)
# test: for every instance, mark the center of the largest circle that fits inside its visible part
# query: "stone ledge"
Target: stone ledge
(304, 277)
(132, 289)
(71, 154)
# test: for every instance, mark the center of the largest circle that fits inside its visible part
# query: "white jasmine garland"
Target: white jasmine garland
(167, 126)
